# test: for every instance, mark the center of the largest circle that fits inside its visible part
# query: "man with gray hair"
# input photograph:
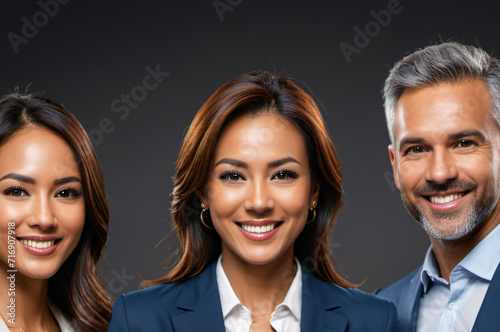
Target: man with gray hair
(442, 106)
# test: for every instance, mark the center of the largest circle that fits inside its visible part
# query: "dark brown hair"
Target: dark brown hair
(254, 92)
(75, 288)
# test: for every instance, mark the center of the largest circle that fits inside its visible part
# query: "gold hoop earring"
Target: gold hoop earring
(314, 216)
(202, 221)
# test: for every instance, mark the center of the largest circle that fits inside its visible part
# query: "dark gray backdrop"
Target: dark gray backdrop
(87, 54)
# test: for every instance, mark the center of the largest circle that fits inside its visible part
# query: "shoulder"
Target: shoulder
(354, 300)
(153, 308)
(394, 291)
(143, 306)
(151, 297)
(362, 311)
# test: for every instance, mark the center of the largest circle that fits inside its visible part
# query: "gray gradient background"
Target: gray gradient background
(92, 52)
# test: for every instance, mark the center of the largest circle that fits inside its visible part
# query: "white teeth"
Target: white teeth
(37, 244)
(258, 229)
(445, 199)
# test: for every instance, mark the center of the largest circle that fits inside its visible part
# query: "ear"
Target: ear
(314, 193)
(394, 164)
(200, 193)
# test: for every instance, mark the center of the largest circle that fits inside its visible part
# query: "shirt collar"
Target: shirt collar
(430, 270)
(229, 300)
(485, 257)
(482, 261)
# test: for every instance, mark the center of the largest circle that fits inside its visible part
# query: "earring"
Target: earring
(201, 216)
(313, 209)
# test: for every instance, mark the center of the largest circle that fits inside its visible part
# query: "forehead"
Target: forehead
(442, 109)
(35, 150)
(260, 136)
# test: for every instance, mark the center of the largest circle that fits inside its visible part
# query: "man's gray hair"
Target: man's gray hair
(446, 62)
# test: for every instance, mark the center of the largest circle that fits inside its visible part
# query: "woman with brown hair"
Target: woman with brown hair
(256, 192)
(53, 220)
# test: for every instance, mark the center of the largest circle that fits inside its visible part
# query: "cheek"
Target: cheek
(223, 202)
(71, 219)
(14, 211)
(411, 173)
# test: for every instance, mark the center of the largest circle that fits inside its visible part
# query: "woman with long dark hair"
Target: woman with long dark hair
(256, 192)
(53, 220)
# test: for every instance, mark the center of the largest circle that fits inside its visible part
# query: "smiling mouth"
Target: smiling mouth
(445, 199)
(259, 229)
(38, 244)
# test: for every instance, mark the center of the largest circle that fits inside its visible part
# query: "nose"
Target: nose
(42, 214)
(259, 198)
(442, 167)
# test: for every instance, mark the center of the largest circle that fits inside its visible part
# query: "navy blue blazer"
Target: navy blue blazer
(406, 292)
(194, 305)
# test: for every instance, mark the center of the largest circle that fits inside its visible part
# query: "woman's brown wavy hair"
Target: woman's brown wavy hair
(76, 288)
(254, 92)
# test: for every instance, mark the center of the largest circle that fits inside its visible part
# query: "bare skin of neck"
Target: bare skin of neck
(32, 311)
(450, 253)
(260, 288)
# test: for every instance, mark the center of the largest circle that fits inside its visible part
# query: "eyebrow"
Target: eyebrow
(410, 140)
(18, 177)
(30, 180)
(466, 133)
(58, 182)
(452, 137)
(282, 162)
(276, 163)
(233, 162)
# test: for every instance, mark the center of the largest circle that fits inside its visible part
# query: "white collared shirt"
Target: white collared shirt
(453, 306)
(237, 318)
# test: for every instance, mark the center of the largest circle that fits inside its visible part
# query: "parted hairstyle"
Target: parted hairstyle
(447, 62)
(75, 288)
(254, 92)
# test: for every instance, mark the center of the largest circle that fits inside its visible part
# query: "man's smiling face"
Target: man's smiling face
(446, 158)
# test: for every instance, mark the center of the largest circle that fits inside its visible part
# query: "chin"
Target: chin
(38, 273)
(450, 232)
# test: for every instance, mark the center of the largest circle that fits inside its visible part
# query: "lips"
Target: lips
(446, 201)
(39, 245)
(259, 230)
(444, 197)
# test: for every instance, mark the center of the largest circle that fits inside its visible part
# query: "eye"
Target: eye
(231, 176)
(285, 174)
(69, 193)
(415, 149)
(465, 143)
(15, 191)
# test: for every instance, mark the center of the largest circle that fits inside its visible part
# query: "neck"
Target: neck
(450, 253)
(260, 288)
(30, 298)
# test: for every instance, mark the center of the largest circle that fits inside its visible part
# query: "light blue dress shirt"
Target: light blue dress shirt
(453, 306)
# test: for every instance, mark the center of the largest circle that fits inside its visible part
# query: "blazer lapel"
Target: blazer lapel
(199, 307)
(319, 307)
(408, 308)
(488, 318)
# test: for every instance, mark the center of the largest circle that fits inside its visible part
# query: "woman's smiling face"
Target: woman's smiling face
(260, 189)
(42, 195)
